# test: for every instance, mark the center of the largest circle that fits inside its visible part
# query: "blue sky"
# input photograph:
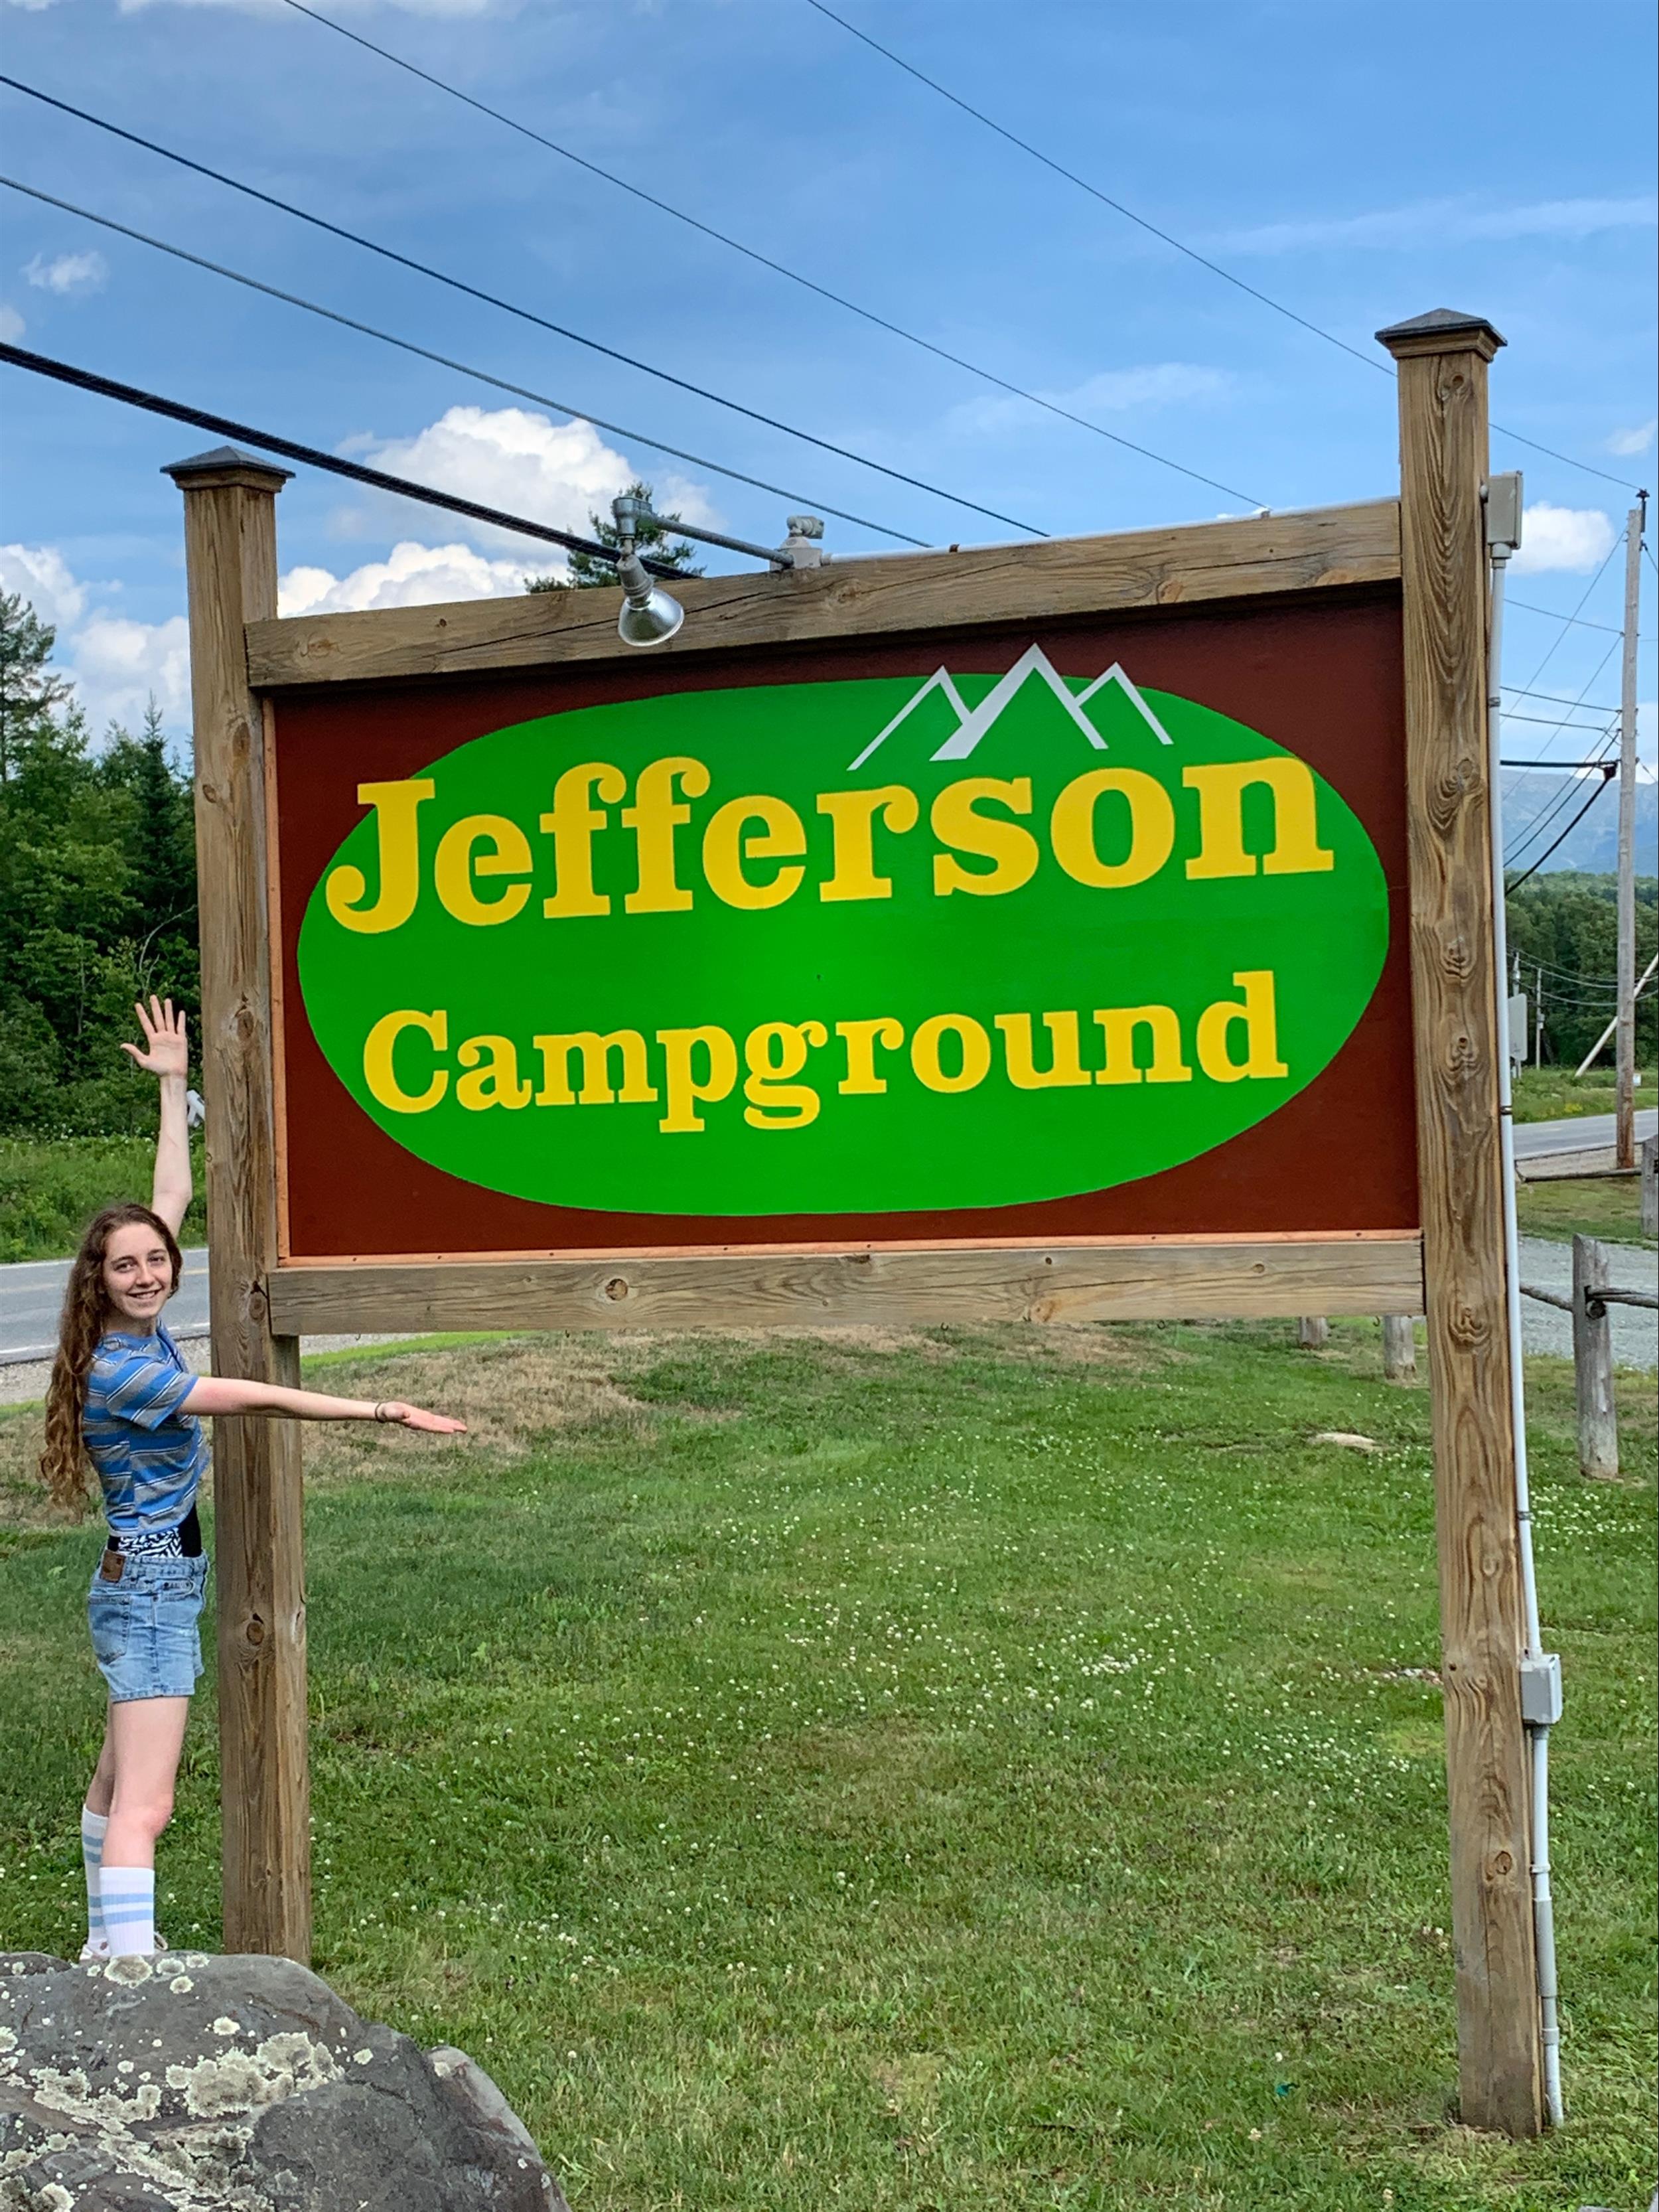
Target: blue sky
(1359, 162)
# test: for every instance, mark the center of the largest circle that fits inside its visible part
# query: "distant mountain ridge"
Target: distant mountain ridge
(1592, 846)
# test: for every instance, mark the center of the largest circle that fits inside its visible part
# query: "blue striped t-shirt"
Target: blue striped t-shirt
(149, 1455)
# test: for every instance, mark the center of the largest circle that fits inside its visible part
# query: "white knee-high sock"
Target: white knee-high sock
(128, 1896)
(93, 1826)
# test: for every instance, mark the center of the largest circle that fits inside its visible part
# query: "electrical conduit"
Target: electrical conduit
(1538, 1735)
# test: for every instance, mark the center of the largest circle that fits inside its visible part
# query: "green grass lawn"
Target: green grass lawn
(1607, 1206)
(1548, 1094)
(51, 1186)
(925, 1773)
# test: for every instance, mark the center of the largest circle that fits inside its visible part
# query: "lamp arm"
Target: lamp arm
(779, 558)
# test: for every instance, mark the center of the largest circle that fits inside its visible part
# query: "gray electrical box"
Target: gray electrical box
(1503, 510)
(1541, 1689)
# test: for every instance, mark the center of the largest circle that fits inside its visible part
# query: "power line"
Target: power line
(1548, 813)
(1562, 839)
(1543, 721)
(1548, 996)
(1573, 617)
(1551, 808)
(1094, 190)
(1555, 698)
(763, 260)
(1192, 253)
(507, 307)
(443, 360)
(1574, 621)
(1569, 975)
(131, 395)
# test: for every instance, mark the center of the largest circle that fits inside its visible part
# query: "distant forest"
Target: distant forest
(98, 907)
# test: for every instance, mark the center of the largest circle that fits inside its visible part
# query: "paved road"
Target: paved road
(1579, 1132)
(31, 1292)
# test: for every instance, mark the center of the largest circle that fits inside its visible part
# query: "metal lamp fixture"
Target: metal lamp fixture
(648, 616)
(651, 616)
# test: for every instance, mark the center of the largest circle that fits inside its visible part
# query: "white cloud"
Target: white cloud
(1446, 222)
(410, 576)
(516, 460)
(1109, 391)
(12, 325)
(1575, 538)
(119, 665)
(510, 457)
(1629, 443)
(70, 274)
(42, 576)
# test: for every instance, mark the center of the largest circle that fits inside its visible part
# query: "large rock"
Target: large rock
(186, 2083)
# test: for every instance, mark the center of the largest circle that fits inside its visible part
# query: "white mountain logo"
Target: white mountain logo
(972, 723)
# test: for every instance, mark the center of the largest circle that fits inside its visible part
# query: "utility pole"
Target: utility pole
(1624, 1101)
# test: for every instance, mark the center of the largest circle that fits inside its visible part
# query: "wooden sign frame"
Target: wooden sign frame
(1431, 542)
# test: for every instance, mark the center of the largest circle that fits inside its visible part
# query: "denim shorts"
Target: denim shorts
(145, 1628)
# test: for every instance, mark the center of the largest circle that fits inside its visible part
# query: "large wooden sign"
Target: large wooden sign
(1086, 928)
(827, 951)
(1060, 961)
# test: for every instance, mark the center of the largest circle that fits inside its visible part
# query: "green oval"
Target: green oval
(1311, 913)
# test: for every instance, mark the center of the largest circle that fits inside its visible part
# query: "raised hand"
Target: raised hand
(417, 1416)
(165, 1048)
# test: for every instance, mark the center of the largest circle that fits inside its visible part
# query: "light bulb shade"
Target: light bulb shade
(652, 622)
(648, 616)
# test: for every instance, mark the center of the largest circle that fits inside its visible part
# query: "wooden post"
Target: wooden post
(1311, 1331)
(1592, 1361)
(1650, 1187)
(230, 548)
(1443, 360)
(1399, 1348)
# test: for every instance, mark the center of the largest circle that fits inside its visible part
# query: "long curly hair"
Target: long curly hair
(63, 1464)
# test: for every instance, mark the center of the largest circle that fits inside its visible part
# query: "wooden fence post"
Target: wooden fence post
(1592, 1361)
(1399, 1348)
(1443, 360)
(1311, 1331)
(230, 549)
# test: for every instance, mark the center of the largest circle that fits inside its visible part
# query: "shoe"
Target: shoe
(90, 1951)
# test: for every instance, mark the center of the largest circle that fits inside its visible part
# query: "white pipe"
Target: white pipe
(1543, 1903)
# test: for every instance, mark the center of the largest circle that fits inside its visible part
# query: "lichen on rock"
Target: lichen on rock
(243, 2085)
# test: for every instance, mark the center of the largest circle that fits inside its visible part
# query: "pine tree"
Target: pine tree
(162, 839)
(97, 895)
(31, 693)
(587, 570)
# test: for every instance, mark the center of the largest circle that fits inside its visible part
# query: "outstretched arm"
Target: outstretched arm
(216, 1393)
(166, 1055)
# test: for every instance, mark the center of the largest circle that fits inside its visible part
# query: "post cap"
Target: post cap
(1443, 330)
(227, 465)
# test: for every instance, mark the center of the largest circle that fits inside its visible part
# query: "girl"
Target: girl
(122, 1398)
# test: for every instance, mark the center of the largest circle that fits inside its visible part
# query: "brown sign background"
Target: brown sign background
(1323, 678)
